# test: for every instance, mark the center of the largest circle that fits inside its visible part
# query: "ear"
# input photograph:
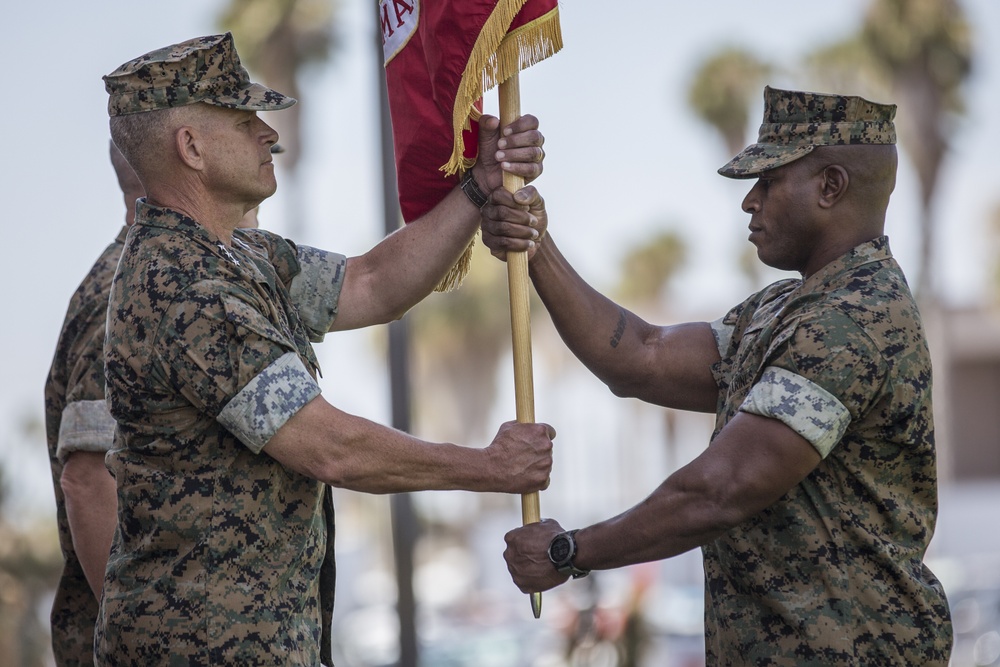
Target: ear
(188, 144)
(833, 185)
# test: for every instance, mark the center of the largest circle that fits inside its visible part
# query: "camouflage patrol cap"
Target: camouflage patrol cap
(796, 122)
(203, 69)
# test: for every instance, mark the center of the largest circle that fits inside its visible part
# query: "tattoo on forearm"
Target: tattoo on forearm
(620, 329)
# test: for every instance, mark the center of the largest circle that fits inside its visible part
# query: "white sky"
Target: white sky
(624, 155)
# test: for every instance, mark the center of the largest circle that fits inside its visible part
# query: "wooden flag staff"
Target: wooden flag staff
(520, 316)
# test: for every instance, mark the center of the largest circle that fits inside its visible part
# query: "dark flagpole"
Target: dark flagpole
(405, 528)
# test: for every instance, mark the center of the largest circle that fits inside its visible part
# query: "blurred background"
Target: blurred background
(643, 104)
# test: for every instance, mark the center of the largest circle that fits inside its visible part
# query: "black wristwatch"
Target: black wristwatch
(562, 550)
(472, 190)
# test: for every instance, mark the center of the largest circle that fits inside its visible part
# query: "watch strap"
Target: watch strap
(472, 190)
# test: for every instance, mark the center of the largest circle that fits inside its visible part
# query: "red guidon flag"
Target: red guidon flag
(440, 57)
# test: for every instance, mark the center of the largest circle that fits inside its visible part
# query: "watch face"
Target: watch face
(560, 549)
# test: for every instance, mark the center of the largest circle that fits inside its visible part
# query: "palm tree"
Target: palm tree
(648, 267)
(847, 65)
(926, 48)
(918, 52)
(722, 90)
(277, 40)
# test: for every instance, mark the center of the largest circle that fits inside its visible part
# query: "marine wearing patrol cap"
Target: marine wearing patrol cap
(797, 122)
(203, 69)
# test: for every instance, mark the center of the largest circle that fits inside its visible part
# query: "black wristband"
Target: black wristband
(473, 191)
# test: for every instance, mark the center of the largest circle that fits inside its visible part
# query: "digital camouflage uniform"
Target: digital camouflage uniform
(220, 549)
(77, 419)
(833, 573)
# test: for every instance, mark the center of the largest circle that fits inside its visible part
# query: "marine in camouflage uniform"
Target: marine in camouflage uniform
(228, 511)
(225, 448)
(833, 573)
(841, 358)
(77, 420)
(200, 336)
(817, 498)
(79, 430)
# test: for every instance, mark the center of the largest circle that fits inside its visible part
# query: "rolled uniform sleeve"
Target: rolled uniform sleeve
(315, 291)
(263, 406)
(805, 407)
(86, 426)
(820, 377)
(313, 277)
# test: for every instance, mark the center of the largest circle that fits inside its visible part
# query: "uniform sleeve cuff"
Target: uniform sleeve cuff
(803, 406)
(315, 291)
(269, 400)
(86, 426)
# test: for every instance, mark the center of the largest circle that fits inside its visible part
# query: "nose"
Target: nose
(267, 133)
(751, 203)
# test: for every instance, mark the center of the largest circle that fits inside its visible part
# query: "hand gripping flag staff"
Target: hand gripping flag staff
(440, 57)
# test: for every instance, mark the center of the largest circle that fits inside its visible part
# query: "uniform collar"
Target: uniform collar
(167, 218)
(876, 250)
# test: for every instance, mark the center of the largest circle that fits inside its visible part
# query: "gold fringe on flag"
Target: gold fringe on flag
(456, 274)
(496, 55)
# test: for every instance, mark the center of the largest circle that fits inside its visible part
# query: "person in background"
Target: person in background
(79, 431)
(816, 499)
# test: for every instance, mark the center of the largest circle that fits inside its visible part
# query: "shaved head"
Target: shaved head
(872, 170)
(871, 178)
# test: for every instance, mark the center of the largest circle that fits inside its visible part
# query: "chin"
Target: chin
(779, 263)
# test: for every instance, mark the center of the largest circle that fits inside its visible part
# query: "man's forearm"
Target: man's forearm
(418, 256)
(749, 466)
(406, 266)
(668, 365)
(92, 510)
(664, 525)
(598, 331)
(351, 452)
